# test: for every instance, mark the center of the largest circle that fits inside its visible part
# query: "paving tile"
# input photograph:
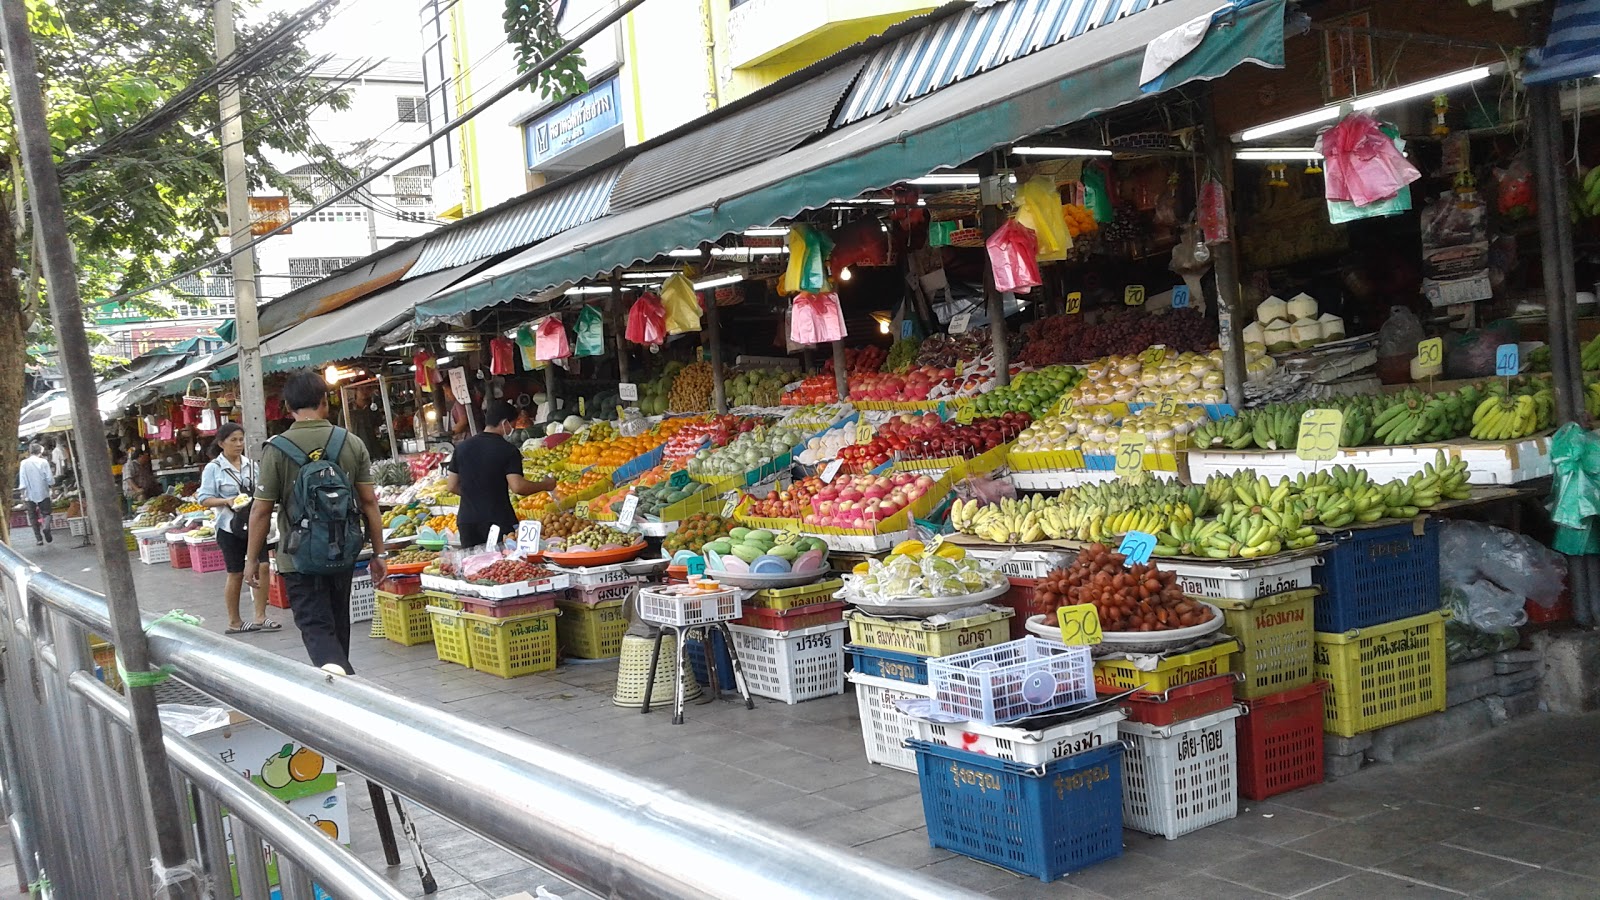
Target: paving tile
(1585, 862)
(1271, 823)
(853, 829)
(874, 790)
(1454, 868)
(906, 811)
(1366, 842)
(1278, 870)
(1569, 814)
(1336, 801)
(465, 892)
(971, 874)
(1127, 875)
(809, 775)
(529, 879)
(1376, 886)
(1521, 841)
(909, 849)
(1544, 885)
(1201, 887)
(801, 812)
(1207, 843)
(1549, 773)
(1032, 889)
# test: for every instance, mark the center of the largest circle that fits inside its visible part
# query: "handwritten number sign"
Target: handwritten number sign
(630, 505)
(529, 531)
(1430, 356)
(680, 478)
(1137, 547)
(1133, 295)
(831, 470)
(1507, 360)
(730, 506)
(1080, 625)
(1180, 297)
(1167, 406)
(696, 566)
(863, 432)
(906, 328)
(628, 391)
(960, 323)
(1074, 303)
(1130, 455)
(1320, 430)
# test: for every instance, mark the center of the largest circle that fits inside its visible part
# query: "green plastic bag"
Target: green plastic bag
(1097, 194)
(809, 250)
(591, 333)
(526, 347)
(1575, 494)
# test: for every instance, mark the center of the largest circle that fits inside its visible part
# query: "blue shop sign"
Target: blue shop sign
(573, 123)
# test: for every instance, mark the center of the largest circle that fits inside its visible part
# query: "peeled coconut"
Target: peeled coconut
(1332, 327)
(1302, 306)
(1272, 309)
(1306, 333)
(1279, 337)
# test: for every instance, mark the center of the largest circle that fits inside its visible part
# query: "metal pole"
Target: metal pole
(719, 390)
(104, 498)
(550, 392)
(1225, 265)
(989, 219)
(618, 318)
(388, 415)
(841, 380)
(236, 181)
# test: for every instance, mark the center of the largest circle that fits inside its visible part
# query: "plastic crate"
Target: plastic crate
(1172, 671)
(688, 608)
(792, 666)
(1376, 575)
(1280, 742)
(794, 619)
(363, 598)
(1034, 744)
(1274, 635)
(598, 576)
(450, 636)
(1008, 681)
(888, 664)
(153, 551)
(129, 541)
(1186, 701)
(180, 554)
(789, 598)
(403, 585)
(521, 645)
(1019, 599)
(207, 557)
(918, 637)
(694, 648)
(58, 521)
(505, 609)
(405, 619)
(277, 591)
(1381, 675)
(19, 519)
(78, 526)
(591, 630)
(604, 593)
(442, 599)
(1010, 815)
(1180, 778)
(884, 728)
(1240, 579)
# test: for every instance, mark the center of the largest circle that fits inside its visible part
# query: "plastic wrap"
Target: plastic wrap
(1490, 573)
(816, 318)
(1575, 495)
(1400, 333)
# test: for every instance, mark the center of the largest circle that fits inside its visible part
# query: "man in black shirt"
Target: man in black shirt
(481, 470)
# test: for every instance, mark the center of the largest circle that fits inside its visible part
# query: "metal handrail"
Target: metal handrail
(604, 831)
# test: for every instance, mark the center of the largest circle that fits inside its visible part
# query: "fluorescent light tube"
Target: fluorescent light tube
(1276, 154)
(1058, 151)
(719, 281)
(1371, 101)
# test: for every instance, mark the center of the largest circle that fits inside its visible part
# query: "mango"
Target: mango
(720, 546)
(908, 548)
(761, 535)
(748, 552)
(738, 534)
(786, 552)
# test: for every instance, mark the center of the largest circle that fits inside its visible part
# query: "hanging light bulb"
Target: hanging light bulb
(844, 274)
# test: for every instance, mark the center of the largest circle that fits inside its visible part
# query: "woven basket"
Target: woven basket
(200, 400)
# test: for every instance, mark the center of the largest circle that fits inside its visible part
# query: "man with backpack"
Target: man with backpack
(319, 476)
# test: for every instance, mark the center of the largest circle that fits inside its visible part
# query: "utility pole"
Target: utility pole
(105, 507)
(236, 179)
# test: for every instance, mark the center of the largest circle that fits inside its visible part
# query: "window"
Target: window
(412, 109)
(308, 270)
(413, 187)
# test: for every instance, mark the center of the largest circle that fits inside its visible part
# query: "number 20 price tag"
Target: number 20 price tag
(1320, 430)
(529, 532)
(1080, 625)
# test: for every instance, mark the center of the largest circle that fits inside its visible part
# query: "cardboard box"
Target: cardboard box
(271, 760)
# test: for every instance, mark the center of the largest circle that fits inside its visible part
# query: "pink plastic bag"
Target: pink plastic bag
(1361, 163)
(1014, 256)
(647, 321)
(816, 318)
(1213, 211)
(552, 340)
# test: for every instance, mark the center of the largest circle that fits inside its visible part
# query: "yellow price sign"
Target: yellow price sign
(1080, 625)
(582, 407)
(1320, 430)
(966, 413)
(961, 366)
(621, 414)
(1074, 303)
(1133, 295)
(1430, 355)
(1129, 459)
(863, 431)
(1166, 406)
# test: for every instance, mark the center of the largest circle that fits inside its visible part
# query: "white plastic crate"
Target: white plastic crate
(1237, 579)
(363, 598)
(678, 605)
(1007, 681)
(598, 576)
(884, 727)
(78, 526)
(1182, 777)
(604, 593)
(153, 551)
(59, 521)
(1023, 563)
(792, 665)
(1025, 745)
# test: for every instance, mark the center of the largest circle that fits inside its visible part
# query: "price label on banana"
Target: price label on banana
(1507, 360)
(1074, 303)
(1129, 459)
(1430, 357)
(1080, 625)
(1320, 430)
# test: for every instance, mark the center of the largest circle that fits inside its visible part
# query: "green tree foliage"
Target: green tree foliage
(531, 28)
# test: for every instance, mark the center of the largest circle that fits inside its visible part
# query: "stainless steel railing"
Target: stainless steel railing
(65, 748)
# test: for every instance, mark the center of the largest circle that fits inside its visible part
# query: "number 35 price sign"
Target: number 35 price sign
(1320, 430)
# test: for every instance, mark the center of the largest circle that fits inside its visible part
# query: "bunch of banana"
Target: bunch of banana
(1584, 196)
(1007, 522)
(1402, 422)
(1591, 398)
(1591, 354)
(1505, 418)
(1235, 433)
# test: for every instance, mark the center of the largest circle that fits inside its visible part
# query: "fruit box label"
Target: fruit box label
(1072, 746)
(897, 671)
(270, 759)
(1199, 743)
(1082, 781)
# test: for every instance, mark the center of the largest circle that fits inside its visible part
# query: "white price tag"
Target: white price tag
(831, 471)
(630, 505)
(494, 537)
(960, 323)
(730, 506)
(529, 534)
(628, 391)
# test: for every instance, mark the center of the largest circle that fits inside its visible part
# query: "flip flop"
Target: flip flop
(266, 625)
(246, 628)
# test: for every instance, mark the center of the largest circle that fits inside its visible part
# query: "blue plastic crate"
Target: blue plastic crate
(1042, 821)
(1377, 575)
(888, 664)
(695, 647)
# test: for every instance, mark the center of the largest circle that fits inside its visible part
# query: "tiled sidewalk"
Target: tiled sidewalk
(1513, 815)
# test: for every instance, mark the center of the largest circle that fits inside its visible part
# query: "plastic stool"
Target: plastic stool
(684, 675)
(633, 681)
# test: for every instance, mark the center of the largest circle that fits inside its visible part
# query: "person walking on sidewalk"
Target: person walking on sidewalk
(229, 476)
(34, 479)
(481, 470)
(322, 477)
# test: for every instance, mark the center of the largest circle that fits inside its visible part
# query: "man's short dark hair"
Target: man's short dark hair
(498, 411)
(304, 390)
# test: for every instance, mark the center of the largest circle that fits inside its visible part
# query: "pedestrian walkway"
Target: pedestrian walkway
(1513, 815)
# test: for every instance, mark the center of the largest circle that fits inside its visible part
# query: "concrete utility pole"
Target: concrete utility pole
(105, 497)
(236, 179)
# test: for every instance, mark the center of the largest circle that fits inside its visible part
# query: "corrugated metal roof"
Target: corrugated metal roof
(566, 205)
(751, 135)
(975, 41)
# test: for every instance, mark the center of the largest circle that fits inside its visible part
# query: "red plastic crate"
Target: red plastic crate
(1020, 599)
(1280, 742)
(179, 556)
(1188, 701)
(207, 557)
(1561, 612)
(277, 593)
(404, 585)
(793, 619)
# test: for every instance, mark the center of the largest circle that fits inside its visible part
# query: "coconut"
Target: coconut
(1255, 334)
(1332, 327)
(1302, 306)
(1272, 309)
(1278, 337)
(1306, 333)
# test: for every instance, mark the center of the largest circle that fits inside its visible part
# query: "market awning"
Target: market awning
(176, 382)
(1572, 49)
(1065, 83)
(53, 412)
(372, 274)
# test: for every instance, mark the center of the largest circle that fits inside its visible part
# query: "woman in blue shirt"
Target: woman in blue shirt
(228, 476)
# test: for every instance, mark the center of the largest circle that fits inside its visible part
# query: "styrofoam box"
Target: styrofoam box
(1230, 580)
(1024, 563)
(1060, 480)
(597, 576)
(862, 543)
(1500, 462)
(884, 727)
(1024, 745)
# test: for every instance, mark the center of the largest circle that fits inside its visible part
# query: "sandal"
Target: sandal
(246, 628)
(266, 625)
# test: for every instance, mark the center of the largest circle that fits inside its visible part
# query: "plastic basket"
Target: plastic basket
(789, 598)
(520, 645)
(1011, 680)
(1173, 670)
(1180, 778)
(363, 598)
(1274, 635)
(633, 668)
(129, 541)
(794, 619)
(1187, 701)
(405, 619)
(1046, 825)
(1019, 599)
(277, 591)
(1280, 742)
(1381, 675)
(591, 631)
(597, 576)
(180, 554)
(604, 593)
(1378, 575)
(888, 664)
(400, 584)
(450, 636)
(154, 551)
(442, 599)
(792, 666)
(688, 608)
(59, 521)
(884, 728)
(505, 609)
(207, 557)
(19, 519)
(1036, 744)
(919, 637)
(694, 648)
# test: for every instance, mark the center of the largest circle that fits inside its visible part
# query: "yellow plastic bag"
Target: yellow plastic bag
(683, 306)
(1039, 208)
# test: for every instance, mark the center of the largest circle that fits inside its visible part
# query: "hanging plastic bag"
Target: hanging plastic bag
(1575, 495)
(1014, 255)
(208, 421)
(809, 250)
(1039, 209)
(1213, 210)
(528, 348)
(422, 369)
(816, 318)
(647, 321)
(681, 303)
(502, 357)
(1361, 162)
(591, 332)
(1097, 194)
(553, 339)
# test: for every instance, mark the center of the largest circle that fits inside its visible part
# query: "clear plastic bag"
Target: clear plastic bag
(1494, 572)
(1400, 333)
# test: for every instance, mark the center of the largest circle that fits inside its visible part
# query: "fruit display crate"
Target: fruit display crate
(1373, 575)
(180, 553)
(1011, 680)
(1280, 742)
(1033, 743)
(1243, 579)
(206, 557)
(888, 664)
(1172, 670)
(509, 648)
(791, 597)
(1180, 778)
(884, 728)
(277, 591)
(449, 631)
(363, 596)
(405, 619)
(505, 609)
(1016, 562)
(681, 607)
(1275, 637)
(1010, 815)
(602, 593)
(78, 526)
(1381, 675)
(599, 576)
(1186, 701)
(793, 619)
(591, 630)
(792, 666)
(694, 647)
(919, 637)
(58, 521)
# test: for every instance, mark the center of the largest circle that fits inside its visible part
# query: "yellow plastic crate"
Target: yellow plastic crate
(129, 541)
(1173, 671)
(513, 646)
(405, 619)
(1382, 674)
(105, 656)
(591, 632)
(1275, 637)
(917, 637)
(788, 598)
(450, 636)
(444, 600)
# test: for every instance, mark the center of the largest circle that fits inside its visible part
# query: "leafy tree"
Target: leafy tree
(531, 27)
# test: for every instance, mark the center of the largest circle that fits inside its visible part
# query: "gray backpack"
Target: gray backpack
(326, 526)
